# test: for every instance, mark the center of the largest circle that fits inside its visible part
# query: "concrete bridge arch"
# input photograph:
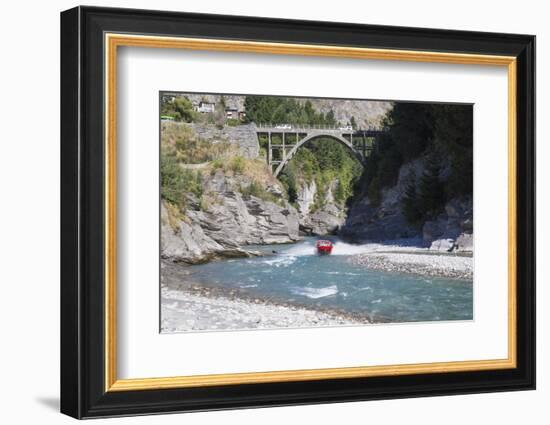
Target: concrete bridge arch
(310, 137)
(293, 137)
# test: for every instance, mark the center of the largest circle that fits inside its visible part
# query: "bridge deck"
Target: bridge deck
(262, 128)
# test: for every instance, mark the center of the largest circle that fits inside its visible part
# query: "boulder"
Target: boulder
(442, 245)
(465, 242)
(216, 183)
(325, 222)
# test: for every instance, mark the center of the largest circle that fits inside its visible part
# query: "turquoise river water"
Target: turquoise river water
(294, 274)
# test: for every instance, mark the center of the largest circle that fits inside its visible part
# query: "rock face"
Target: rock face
(306, 197)
(187, 242)
(327, 219)
(452, 230)
(227, 225)
(366, 222)
(235, 221)
(230, 100)
(366, 114)
(236, 207)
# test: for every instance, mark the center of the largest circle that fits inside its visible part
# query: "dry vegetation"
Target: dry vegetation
(174, 216)
(187, 162)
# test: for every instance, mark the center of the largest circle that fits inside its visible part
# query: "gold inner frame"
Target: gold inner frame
(113, 41)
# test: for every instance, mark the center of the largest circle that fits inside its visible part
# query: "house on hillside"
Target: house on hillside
(231, 113)
(234, 111)
(205, 107)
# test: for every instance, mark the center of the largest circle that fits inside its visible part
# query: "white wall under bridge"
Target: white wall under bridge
(291, 138)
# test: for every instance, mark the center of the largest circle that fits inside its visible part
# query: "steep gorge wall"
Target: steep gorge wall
(239, 202)
(227, 218)
(319, 216)
(365, 113)
(451, 230)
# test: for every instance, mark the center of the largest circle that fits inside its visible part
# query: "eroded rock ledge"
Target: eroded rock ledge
(225, 228)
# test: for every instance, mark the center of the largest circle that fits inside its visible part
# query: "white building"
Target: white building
(206, 107)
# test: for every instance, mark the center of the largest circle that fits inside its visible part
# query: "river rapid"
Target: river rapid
(296, 275)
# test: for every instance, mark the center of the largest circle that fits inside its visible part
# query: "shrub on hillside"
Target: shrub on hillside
(180, 108)
(237, 164)
(176, 182)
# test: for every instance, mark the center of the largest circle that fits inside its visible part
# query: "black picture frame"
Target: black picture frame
(83, 392)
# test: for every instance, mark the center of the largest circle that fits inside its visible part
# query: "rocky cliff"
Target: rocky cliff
(366, 114)
(234, 210)
(226, 229)
(231, 101)
(319, 216)
(451, 230)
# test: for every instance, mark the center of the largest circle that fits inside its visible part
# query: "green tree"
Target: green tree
(328, 164)
(272, 109)
(176, 182)
(171, 181)
(432, 190)
(411, 126)
(183, 109)
(374, 192)
(388, 169)
(410, 202)
(453, 134)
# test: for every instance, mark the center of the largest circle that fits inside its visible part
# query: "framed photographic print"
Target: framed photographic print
(261, 212)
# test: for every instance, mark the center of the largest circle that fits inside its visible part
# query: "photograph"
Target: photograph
(300, 208)
(281, 212)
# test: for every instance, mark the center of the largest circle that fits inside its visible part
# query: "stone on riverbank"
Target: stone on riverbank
(186, 311)
(426, 264)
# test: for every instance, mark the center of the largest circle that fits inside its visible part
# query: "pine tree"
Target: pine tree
(410, 201)
(330, 118)
(432, 189)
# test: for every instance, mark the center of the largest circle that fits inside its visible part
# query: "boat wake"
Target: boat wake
(315, 293)
(280, 261)
(340, 248)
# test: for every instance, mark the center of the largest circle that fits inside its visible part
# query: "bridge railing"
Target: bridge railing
(305, 127)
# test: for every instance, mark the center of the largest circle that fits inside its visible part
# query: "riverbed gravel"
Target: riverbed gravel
(418, 262)
(190, 306)
(184, 311)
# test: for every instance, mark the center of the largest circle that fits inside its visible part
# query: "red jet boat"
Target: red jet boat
(324, 247)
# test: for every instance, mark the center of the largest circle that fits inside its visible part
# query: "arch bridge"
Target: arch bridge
(284, 140)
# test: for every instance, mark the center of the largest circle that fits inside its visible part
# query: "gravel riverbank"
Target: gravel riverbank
(418, 262)
(192, 311)
(189, 306)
